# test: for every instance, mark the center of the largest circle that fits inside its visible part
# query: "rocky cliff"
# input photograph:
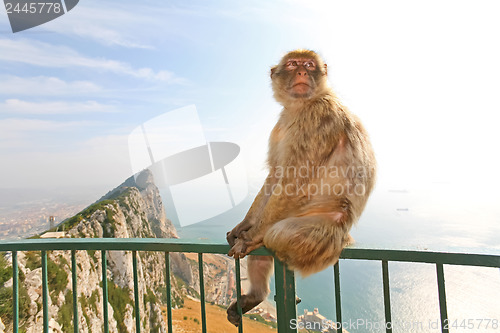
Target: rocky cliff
(132, 210)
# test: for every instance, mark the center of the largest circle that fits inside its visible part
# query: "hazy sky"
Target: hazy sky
(423, 77)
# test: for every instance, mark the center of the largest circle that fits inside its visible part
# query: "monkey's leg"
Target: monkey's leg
(259, 271)
(309, 243)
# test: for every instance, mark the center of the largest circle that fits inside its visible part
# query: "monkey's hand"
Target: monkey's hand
(238, 232)
(244, 245)
(231, 238)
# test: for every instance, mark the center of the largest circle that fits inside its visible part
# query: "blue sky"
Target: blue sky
(422, 76)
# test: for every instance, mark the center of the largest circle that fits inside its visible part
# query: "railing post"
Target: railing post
(105, 290)
(387, 296)
(169, 296)
(442, 298)
(202, 293)
(15, 292)
(238, 293)
(45, 293)
(75, 292)
(338, 303)
(285, 298)
(136, 293)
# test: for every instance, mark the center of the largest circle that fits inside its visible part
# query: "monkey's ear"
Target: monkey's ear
(273, 69)
(326, 70)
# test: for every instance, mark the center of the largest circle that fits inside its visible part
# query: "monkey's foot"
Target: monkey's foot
(239, 249)
(247, 302)
(232, 315)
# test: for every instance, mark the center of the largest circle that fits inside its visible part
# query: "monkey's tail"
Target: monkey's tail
(308, 244)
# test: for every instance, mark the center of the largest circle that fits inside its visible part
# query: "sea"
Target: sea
(428, 217)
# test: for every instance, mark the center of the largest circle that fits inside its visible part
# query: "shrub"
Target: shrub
(119, 298)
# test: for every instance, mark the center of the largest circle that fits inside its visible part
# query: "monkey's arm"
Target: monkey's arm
(255, 210)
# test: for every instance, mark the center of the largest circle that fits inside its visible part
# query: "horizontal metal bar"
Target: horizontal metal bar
(121, 244)
(197, 246)
(449, 258)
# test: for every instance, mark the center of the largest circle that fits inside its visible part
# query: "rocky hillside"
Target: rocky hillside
(132, 210)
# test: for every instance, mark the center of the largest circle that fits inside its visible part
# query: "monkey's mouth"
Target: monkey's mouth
(300, 84)
(300, 89)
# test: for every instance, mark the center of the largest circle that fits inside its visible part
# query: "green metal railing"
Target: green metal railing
(284, 278)
(437, 258)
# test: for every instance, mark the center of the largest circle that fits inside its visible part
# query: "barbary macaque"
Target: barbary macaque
(321, 172)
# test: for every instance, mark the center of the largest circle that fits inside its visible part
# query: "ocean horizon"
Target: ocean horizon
(401, 218)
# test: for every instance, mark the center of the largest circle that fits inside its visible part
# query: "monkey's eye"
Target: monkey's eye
(292, 64)
(310, 65)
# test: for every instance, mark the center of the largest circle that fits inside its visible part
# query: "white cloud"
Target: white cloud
(104, 23)
(24, 107)
(23, 125)
(100, 160)
(45, 86)
(42, 54)
(17, 132)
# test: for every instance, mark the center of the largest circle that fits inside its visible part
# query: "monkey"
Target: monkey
(321, 173)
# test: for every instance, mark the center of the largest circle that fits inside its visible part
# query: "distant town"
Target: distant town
(32, 218)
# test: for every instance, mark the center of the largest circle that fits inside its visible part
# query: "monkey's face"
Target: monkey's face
(299, 76)
(301, 82)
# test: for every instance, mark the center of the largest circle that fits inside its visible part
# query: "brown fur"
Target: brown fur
(322, 170)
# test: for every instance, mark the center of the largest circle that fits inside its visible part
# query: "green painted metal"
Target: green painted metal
(15, 292)
(387, 296)
(464, 259)
(286, 308)
(75, 291)
(121, 244)
(104, 266)
(45, 293)
(136, 293)
(238, 293)
(442, 298)
(285, 283)
(169, 291)
(202, 294)
(338, 302)
(182, 245)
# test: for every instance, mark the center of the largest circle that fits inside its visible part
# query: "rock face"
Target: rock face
(132, 210)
